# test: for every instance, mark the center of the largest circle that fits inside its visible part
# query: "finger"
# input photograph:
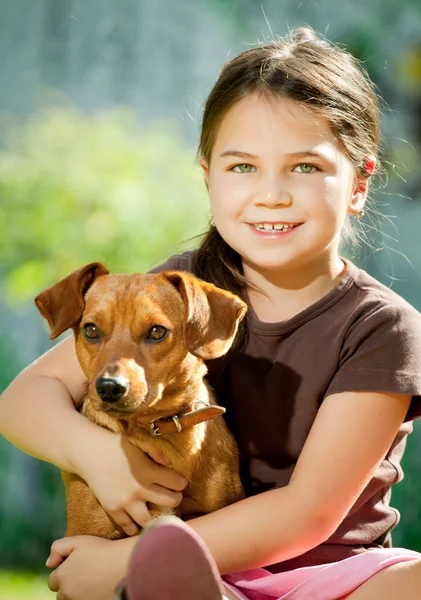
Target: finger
(60, 549)
(124, 520)
(140, 513)
(163, 496)
(169, 479)
(54, 560)
(154, 453)
(53, 582)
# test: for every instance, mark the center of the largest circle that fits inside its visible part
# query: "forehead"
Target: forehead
(283, 123)
(114, 292)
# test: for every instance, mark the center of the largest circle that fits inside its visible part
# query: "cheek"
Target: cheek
(87, 355)
(337, 198)
(226, 196)
(326, 198)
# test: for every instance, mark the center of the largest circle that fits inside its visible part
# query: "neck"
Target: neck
(286, 292)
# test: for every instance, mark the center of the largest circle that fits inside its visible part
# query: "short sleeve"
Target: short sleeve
(177, 262)
(382, 353)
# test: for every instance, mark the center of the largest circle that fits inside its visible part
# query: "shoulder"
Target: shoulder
(178, 262)
(373, 302)
(380, 341)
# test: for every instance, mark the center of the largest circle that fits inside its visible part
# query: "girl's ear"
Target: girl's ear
(359, 194)
(205, 168)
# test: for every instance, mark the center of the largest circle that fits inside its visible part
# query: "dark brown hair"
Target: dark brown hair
(309, 70)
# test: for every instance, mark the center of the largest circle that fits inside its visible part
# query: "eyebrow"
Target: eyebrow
(302, 154)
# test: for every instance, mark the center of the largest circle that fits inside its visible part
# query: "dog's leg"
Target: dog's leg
(85, 515)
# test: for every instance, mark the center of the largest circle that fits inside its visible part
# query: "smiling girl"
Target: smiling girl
(321, 387)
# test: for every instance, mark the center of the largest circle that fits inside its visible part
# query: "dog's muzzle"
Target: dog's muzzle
(111, 389)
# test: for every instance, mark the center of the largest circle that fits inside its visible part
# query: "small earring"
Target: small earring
(359, 213)
(212, 222)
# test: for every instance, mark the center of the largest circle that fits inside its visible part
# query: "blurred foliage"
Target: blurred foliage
(10, 367)
(35, 506)
(92, 188)
(24, 586)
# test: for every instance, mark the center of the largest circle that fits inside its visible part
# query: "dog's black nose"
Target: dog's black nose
(111, 390)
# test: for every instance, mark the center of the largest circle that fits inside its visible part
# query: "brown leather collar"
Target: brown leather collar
(177, 423)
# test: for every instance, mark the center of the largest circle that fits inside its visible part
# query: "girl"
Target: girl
(320, 390)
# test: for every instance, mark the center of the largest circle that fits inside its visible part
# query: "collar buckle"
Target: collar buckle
(154, 429)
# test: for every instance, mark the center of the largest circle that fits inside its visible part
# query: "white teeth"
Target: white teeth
(276, 227)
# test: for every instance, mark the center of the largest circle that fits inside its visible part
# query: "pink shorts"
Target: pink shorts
(322, 582)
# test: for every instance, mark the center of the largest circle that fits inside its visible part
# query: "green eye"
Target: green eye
(245, 168)
(91, 332)
(157, 333)
(305, 168)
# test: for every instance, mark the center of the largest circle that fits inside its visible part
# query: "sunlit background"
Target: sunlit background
(99, 109)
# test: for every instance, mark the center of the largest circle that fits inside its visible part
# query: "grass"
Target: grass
(17, 585)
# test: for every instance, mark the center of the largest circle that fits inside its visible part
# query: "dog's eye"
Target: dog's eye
(157, 334)
(91, 332)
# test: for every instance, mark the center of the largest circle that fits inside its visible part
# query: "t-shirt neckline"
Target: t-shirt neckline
(282, 327)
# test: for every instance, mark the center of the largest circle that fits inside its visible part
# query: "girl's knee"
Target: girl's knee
(402, 580)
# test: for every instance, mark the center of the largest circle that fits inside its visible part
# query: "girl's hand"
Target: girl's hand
(123, 478)
(88, 567)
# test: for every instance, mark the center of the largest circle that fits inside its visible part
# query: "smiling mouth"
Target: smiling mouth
(274, 227)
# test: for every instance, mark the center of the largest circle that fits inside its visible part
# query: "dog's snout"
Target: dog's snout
(111, 389)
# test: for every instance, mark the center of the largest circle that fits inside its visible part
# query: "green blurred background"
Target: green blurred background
(99, 110)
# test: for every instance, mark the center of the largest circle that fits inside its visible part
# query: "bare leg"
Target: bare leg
(402, 581)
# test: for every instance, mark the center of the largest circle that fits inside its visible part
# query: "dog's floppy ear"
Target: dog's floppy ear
(212, 315)
(63, 303)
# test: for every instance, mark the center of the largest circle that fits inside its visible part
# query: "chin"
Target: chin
(268, 263)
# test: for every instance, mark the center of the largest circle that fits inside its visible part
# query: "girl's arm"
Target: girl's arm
(37, 410)
(350, 436)
(37, 414)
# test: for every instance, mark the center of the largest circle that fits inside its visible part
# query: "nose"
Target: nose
(273, 193)
(111, 389)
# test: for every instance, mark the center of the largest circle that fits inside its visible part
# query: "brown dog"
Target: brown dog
(141, 341)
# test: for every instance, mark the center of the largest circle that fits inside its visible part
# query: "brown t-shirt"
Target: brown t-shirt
(361, 336)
